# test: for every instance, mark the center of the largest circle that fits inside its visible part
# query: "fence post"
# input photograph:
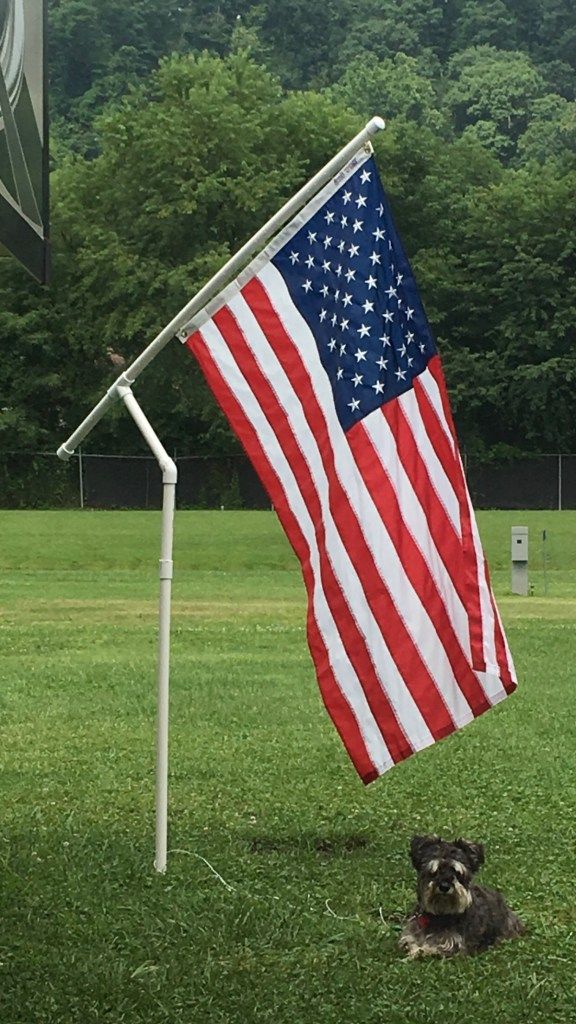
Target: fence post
(81, 477)
(559, 483)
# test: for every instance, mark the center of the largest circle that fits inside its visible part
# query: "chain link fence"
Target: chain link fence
(531, 482)
(40, 480)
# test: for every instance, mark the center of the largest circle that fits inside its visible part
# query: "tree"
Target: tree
(394, 87)
(191, 164)
(387, 27)
(196, 156)
(97, 52)
(551, 133)
(490, 23)
(511, 362)
(490, 95)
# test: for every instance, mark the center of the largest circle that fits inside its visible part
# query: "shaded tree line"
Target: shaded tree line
(162, 171)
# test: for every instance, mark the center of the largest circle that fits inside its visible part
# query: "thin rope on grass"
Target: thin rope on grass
(337, 916)
(230, 888)
(267, 899)
(226, 884)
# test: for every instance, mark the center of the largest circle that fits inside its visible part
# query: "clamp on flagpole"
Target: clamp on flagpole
(66, 450)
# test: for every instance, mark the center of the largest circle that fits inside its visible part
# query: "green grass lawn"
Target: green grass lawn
(300, 923)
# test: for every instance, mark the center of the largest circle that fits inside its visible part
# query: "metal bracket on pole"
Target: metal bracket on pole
(66, 450)
(169, 478)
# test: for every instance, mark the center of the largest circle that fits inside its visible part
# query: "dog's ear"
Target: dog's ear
(474, 853)
(421, 849)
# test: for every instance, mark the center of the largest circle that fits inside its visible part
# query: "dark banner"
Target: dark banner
(24, 134)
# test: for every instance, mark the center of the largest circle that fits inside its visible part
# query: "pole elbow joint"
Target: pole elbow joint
(64, 453)
(169, 471)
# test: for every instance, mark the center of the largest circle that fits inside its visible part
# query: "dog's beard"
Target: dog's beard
(455, 902)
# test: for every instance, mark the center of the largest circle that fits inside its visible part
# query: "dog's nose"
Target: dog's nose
(444, 885)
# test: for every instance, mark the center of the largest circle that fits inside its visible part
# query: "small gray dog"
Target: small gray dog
(453, 915)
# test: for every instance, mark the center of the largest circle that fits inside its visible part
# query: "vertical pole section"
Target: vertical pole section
(169, 478)
(164, 615)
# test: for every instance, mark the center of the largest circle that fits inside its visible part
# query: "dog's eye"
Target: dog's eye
(459, 868)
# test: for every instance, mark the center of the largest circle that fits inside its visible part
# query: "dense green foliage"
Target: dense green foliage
(160, 172)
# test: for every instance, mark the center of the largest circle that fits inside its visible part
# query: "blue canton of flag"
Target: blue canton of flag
(349, 277)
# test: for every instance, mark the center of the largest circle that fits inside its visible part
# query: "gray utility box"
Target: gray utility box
(519, 546)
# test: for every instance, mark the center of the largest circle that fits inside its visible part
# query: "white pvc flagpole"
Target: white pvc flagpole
(169, 478)
(226, 273)
(121, 389)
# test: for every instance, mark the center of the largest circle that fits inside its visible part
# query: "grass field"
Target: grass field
(300, 923)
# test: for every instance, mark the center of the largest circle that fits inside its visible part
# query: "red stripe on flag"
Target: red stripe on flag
(450, 460)
(444, 536)
(435, 368)
(335, 702)
(508, 681)
(406, 655)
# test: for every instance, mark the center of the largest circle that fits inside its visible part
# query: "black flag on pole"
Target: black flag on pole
(24, 134)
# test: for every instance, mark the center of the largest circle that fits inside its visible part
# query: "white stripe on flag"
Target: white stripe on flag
(440, 482)
(431, 388)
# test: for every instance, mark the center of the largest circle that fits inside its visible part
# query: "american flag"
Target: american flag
(323, 361)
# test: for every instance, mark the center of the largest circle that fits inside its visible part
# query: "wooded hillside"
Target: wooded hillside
(177, 128)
